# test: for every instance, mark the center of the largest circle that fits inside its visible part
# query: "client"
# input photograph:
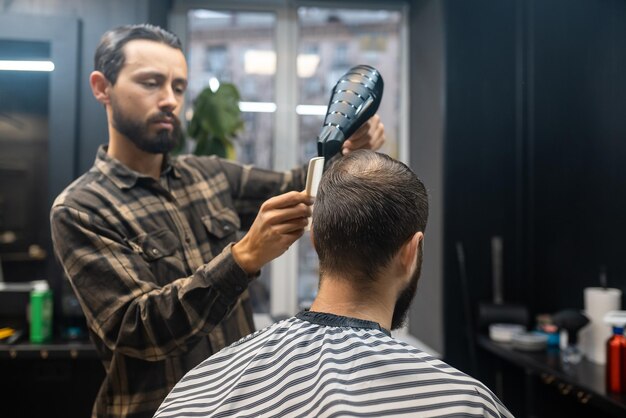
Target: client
(339, 358)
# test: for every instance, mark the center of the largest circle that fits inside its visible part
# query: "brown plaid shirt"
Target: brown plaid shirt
(151, 264)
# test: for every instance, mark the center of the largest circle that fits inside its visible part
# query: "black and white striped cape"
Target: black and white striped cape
(299, 368)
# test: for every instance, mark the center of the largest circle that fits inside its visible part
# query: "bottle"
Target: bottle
(616, 353)
(40, 312)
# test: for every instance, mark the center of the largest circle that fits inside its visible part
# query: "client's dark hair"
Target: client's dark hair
(367, 206)
(109, 58)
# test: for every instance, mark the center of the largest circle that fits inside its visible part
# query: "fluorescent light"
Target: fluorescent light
(308, 110)
(263, 107)
(7, 65)
(209, 14)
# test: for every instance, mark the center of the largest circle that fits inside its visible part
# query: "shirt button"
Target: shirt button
(227, 228)
(187, 240)
(155, 251)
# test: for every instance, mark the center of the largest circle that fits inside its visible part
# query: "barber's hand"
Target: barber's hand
(371, 135)
(279, 223)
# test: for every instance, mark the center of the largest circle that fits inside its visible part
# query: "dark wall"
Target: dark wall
(481, 169)
(578, 149)
(534, 152)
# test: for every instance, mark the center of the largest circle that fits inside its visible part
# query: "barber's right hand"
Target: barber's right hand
(279, 223)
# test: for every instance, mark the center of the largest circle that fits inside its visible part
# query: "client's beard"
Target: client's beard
(137, 132)
(403, 303)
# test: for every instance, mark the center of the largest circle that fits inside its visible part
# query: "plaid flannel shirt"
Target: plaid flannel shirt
(150, 262)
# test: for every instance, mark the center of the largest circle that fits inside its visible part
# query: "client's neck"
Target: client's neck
(338, 296)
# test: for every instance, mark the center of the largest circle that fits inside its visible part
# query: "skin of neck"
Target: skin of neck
(126, 152)
(339, 295)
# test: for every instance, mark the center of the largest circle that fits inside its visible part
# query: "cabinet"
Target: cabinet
(552, 389)
(59, 379)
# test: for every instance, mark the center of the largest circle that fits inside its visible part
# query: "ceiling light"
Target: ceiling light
(9, 65)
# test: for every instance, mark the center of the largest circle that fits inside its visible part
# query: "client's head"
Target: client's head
(368, 223)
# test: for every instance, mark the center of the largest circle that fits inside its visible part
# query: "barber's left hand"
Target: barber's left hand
(371, 135)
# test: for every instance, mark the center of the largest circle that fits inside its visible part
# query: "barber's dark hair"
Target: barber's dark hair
(368, 205)
(109, 58)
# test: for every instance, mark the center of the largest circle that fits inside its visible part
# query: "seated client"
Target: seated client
(339, 358)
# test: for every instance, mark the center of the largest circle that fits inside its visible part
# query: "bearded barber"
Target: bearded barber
(148, 240)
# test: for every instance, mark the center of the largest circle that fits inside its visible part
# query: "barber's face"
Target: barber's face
(147, 97)
(406, 296)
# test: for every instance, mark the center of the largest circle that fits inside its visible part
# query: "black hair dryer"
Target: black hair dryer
(354, 99)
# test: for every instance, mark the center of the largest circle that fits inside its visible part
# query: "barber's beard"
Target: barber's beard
(138, 132)
(403, 303)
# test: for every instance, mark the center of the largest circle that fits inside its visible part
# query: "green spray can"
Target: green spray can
(40, 312)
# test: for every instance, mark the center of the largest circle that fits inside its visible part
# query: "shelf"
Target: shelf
(584, 381)
(55, 350)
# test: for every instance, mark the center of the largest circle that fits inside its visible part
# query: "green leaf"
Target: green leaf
(211, 146)
(216, 120)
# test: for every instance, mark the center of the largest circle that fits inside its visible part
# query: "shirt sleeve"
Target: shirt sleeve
(120, 297)
(251, 186)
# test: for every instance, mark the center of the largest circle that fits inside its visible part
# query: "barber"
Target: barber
(148, 240)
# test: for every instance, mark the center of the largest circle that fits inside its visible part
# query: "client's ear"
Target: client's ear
(408, 251)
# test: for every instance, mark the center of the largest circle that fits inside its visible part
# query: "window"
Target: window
(342, 38)
(285, 58)
(237, 47)
(215, 61)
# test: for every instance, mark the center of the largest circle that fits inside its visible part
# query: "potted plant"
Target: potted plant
(216, 121)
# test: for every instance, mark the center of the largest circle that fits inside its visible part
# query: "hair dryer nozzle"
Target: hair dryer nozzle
(354, 99)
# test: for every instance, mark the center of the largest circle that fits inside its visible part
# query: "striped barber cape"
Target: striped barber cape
(323, 365)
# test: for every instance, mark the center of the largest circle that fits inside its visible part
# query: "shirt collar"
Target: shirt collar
(122, 176)
(331, 320)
